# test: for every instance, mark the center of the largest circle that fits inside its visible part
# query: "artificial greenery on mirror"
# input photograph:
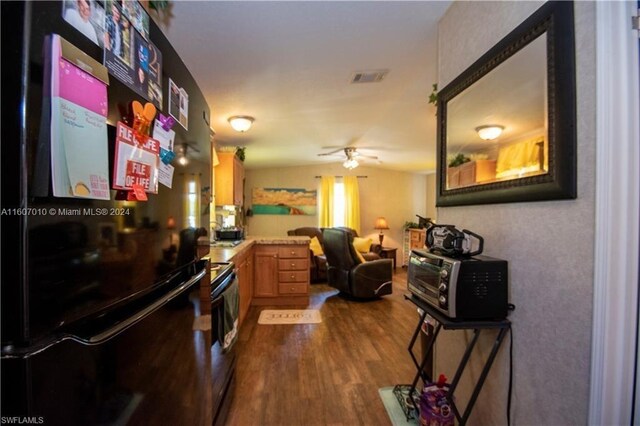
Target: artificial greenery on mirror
(458, 160)
(433, 97)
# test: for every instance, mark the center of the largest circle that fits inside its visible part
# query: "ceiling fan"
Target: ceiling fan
(352, 155)
(181, 152)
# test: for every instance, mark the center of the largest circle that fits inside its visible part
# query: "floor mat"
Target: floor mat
(289, 316)
(202, 323)
(391, 404)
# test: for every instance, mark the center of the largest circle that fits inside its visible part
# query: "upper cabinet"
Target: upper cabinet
(229, 180)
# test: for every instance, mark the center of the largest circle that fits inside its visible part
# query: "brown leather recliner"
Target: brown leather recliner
(317, 262)
(374, 250)
(345, 271)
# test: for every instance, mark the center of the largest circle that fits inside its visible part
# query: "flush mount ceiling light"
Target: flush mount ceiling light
(241, 123)
(490, 132)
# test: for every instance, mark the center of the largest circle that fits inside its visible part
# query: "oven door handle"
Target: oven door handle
(216, 294)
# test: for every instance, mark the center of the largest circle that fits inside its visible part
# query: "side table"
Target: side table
(389, 253)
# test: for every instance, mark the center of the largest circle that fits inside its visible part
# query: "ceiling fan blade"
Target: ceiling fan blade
(332, 152)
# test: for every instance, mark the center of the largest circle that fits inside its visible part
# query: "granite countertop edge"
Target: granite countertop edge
(225, 254)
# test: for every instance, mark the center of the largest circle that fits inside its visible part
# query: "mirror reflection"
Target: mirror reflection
(497, 128)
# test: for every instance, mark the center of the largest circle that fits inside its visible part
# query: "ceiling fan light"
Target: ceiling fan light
(350, 164)
(241, 123)
(490, 132)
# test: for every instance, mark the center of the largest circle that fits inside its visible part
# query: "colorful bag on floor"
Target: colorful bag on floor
(435, 408)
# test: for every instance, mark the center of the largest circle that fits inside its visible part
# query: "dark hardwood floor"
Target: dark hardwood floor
(327, 373)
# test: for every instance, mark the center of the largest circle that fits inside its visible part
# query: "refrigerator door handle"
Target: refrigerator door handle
(111, 332)
(104, 335)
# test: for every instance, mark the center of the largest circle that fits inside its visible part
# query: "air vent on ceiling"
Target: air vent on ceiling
(369, 76)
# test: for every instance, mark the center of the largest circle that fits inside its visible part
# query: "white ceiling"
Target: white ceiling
(512, 95)
(289, 64)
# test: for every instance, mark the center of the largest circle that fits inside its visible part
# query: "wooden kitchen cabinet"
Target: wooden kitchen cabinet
(471, 173)
(229, 182)
(244, 272)
(265, 271)
(281, 275)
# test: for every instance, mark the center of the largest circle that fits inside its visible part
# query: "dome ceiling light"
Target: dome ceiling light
(241, 123)
(489, 132)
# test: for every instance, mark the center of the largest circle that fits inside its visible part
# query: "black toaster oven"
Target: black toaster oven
(469, 288)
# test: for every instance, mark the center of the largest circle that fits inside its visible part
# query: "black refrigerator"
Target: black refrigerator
(97, 309)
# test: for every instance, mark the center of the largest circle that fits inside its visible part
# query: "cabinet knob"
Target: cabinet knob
(293, 264)
(293, 276)
(293, 252)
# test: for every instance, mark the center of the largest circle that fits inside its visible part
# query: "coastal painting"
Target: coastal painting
(284, 201)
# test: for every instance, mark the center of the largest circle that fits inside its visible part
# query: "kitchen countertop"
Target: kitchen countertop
(225, 254)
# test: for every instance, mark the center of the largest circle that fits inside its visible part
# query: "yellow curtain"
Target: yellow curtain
(520, 158)
(325, 201)
(352, 203)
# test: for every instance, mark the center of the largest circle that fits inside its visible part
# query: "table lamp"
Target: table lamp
(381, 223)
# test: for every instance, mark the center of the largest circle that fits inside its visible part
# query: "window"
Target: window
(191, 207)
(191, 199)
(338, 204)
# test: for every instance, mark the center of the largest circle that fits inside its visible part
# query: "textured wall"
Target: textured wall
(398, 196)
(548, 246)
(431, 197)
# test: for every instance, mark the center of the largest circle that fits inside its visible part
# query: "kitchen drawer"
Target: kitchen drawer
(292, 288)
(293, 277)
(293, 251)
(293, 264)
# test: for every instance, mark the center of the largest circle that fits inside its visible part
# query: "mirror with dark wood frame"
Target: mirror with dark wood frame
(506, 125)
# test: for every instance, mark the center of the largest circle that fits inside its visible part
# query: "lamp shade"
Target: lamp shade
(241, 123)
(490, 132)
(171, 223)
(381, 223)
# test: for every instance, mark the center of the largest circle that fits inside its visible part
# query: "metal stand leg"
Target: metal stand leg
(415, 335)
(461, 367)
(420, 366)
(483, 375)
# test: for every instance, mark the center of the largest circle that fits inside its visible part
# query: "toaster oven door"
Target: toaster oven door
(424, 277)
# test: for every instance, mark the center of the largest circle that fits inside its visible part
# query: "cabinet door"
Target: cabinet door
(250, 273)
(238, 182)
(224, 184)
(467, 173)
(244, 285)
(265, 277)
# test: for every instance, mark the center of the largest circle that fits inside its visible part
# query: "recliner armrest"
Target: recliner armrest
(381, 269)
